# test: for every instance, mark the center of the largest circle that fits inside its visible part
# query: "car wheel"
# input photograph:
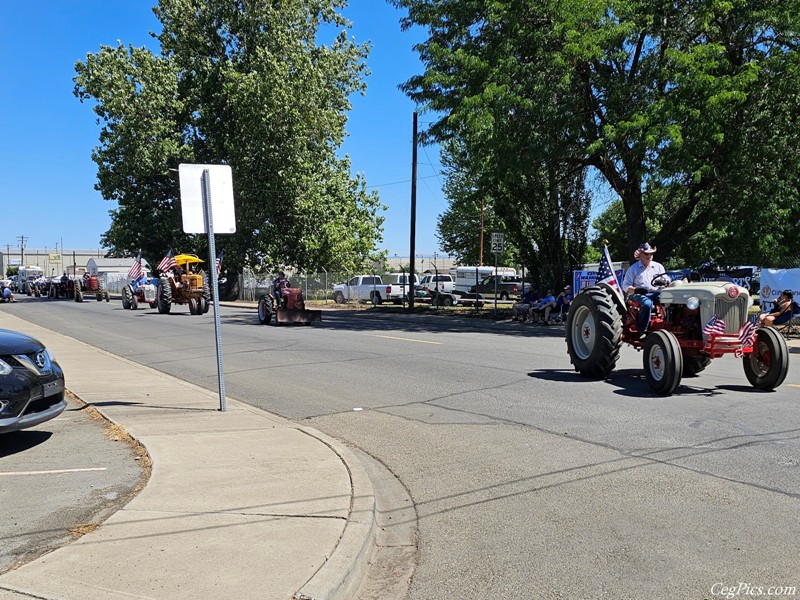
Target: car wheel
(767, 365)
(503, 295)
(663, 362)
(338, 298)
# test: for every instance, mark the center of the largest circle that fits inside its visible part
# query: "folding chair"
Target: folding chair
(792, 326)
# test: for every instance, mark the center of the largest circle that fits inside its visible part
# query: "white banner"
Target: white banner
(774, 281)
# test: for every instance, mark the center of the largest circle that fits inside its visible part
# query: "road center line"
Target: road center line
(389, 337)
(7, 473)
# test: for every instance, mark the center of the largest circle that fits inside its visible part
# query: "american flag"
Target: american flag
(715, 325)
(747, 334)
(605, 272)
(219, 262)
(136, 268)
(167, 263)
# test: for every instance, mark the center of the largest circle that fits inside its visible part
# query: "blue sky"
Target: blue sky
(47, 174)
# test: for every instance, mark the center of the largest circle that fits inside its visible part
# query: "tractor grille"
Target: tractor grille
(733, 312)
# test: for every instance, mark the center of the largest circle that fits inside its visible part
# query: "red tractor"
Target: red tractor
(291, 309)
(680, 342)
(92, 285)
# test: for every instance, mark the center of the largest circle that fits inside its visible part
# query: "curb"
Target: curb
(346, 567)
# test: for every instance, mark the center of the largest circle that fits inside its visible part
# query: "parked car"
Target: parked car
(509, 287)
(31, 382)
(361, 288)
(442, 282)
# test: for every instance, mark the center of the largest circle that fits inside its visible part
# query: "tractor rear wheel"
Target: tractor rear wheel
(663, 362)
(127, 294)
(692, 365)
(266, 308)
(164, 296)
(594, 332)
(766, 367)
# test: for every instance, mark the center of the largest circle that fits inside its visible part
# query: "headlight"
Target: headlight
(5, 368)
(733, 292)
(693, 303)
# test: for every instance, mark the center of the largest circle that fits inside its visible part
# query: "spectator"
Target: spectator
(563, 300)
(781, 311)
(8, 296)
(521, 309)
(548, 304)
(638, 284)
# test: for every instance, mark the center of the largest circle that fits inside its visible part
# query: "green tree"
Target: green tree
(244, 83)
(688, 111)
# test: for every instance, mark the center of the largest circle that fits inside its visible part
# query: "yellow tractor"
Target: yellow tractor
(184, 284)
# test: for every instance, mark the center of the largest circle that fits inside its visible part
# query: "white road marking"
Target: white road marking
(53, 472)
(389, 337)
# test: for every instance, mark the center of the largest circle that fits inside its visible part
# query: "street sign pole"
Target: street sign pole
(212, 267)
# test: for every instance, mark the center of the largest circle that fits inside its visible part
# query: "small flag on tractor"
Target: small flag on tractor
(167, 263)
(136, 268)
(715, 325)
(747, 334)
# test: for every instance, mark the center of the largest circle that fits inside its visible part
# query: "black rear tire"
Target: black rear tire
(127, 294)
(594, 333)
(766, 367)
(338, 298)
(164, 296)
(266, 308)
(663, 362)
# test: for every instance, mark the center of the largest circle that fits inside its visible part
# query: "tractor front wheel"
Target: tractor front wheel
(266, 308)
(134, 302)
(193, 306)
(766, 367)
(663, 362)
(204, 304)
(594, 332)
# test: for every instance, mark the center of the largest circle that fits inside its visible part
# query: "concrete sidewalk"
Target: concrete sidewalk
(241, 504)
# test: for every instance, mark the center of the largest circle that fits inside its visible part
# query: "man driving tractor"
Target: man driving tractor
(638, 284)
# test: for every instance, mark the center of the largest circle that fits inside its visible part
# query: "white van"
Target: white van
(465, 276)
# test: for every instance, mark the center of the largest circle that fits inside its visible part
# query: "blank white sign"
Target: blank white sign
(221, 190)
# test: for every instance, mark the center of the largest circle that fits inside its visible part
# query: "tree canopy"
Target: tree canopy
(689, 111)
(245, 83)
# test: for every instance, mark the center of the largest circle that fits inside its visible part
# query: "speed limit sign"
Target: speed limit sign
(498, 243)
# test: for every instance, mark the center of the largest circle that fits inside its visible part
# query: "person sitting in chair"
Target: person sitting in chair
(548, 304)
(638, 284)
(562, 301)
(781, 311)
(521, 309)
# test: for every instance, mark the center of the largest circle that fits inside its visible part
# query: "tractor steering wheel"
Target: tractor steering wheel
(661, 280)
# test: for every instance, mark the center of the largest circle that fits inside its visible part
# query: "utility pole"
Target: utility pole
(411, 289)
(22, 239)
(480, 247)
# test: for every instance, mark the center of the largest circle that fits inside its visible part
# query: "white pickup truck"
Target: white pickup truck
(397, 287)
(361, 288)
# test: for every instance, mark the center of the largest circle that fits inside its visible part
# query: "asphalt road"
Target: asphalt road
(59, 480)
(529, 482)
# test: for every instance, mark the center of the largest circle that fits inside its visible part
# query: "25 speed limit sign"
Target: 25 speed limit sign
(498, 243)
